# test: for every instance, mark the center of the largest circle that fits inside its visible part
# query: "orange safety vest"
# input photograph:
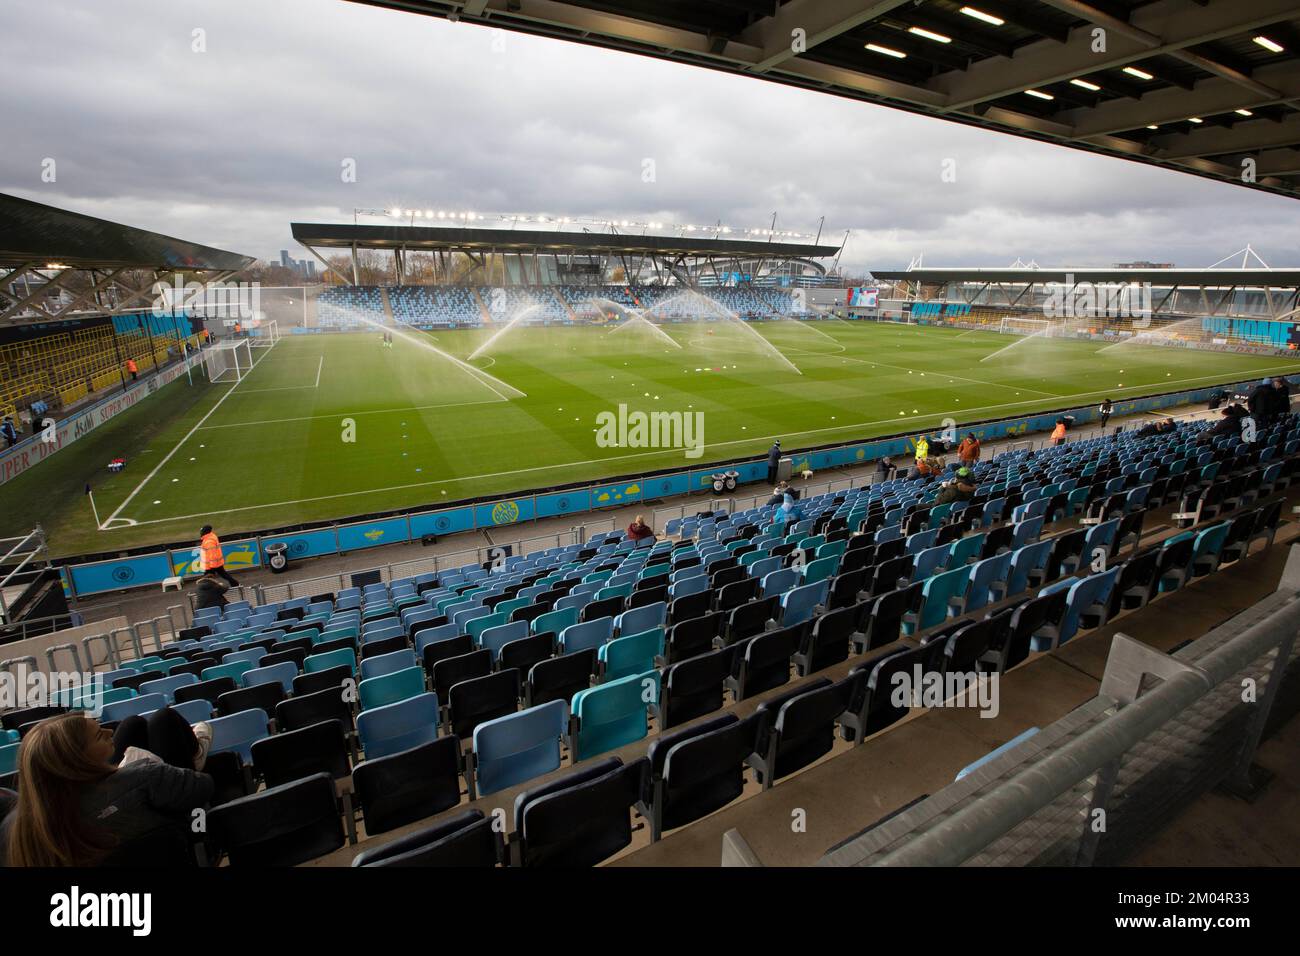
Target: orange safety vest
(210, 548)
(130, 365)
(1058, 432)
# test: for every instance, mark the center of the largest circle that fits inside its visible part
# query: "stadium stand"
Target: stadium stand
(554, 654)
(350, 306)
(435, 307)
(62, 368)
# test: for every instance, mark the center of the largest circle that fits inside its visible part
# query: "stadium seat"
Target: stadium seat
(238, 732)
(613, 714)
(395, 727)
(581, 819)
(511, 749)
(391, 687)
(280, 826)
(468, 839)
(408, 784)
(695, 771)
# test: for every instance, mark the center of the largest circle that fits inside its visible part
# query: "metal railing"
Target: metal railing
(24, 549)
(481, 554)
(1089, 788)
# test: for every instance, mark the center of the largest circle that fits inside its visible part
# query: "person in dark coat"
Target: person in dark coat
(773, 459)
(1230, 423)
(210, 592)
(1262, 400)
(1281, 397)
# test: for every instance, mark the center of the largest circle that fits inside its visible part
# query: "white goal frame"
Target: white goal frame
(1023, 325)
(228, 360)
(264, 335)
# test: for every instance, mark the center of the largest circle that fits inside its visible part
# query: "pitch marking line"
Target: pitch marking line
(344, 414)
(177, 447)
(574, 464)
(903, 368)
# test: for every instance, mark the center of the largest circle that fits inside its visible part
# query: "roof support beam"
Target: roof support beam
(1164, 27)
(1243, 138)
(1172, 104)
(1090, 13)
(820, 20)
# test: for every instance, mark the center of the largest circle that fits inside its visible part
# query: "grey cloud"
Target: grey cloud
(229, 146)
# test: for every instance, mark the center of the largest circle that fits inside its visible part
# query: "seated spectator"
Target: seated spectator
(1228, 424)
(788, 513)
(164, 734)
(638, 530)
(961, 487)
(75, 808)
(779, 492)
(925, 467)
(210, 592)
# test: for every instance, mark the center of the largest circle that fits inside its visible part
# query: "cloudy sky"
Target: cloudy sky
(229, 145)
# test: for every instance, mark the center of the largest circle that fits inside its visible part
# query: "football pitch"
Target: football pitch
(335, 425)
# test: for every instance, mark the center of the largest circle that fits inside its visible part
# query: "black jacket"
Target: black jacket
(773, 456)
(210, 593)
(1262, 400)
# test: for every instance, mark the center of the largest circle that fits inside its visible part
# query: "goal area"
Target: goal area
(1020, 325)
(228, 361)
(263, 335)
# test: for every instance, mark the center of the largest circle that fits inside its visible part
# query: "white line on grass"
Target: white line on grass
(903, 368)
(376, 411)
(318, 368)
(166, 458)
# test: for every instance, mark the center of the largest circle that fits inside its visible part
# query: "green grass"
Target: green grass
(270, 452)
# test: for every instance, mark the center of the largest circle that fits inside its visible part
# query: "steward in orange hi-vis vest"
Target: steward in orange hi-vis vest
(1058, 433)
(210, 547)
(211, 558)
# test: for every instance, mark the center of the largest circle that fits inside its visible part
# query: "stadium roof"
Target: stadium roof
(1275, 278)
(36, 233)
(1137, 93)
(345, 236)
(54, 263)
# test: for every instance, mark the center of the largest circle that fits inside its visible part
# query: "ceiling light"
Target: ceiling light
(1153, 126)
(929, 34)
(1245, 113)
(1041, 95)
(1195, 119)
(896, 54)
(1086, 85)
(1269, 45)
(981, 15)
(1140, 74)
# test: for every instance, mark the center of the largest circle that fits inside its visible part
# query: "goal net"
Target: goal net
(264, 335)
(1019, 325)
(229, 361)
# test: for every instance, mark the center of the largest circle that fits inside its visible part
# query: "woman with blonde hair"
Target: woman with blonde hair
(75, 808)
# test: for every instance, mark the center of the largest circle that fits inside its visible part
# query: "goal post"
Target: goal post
(1020, 325)
(264, 335)
(228, 361)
